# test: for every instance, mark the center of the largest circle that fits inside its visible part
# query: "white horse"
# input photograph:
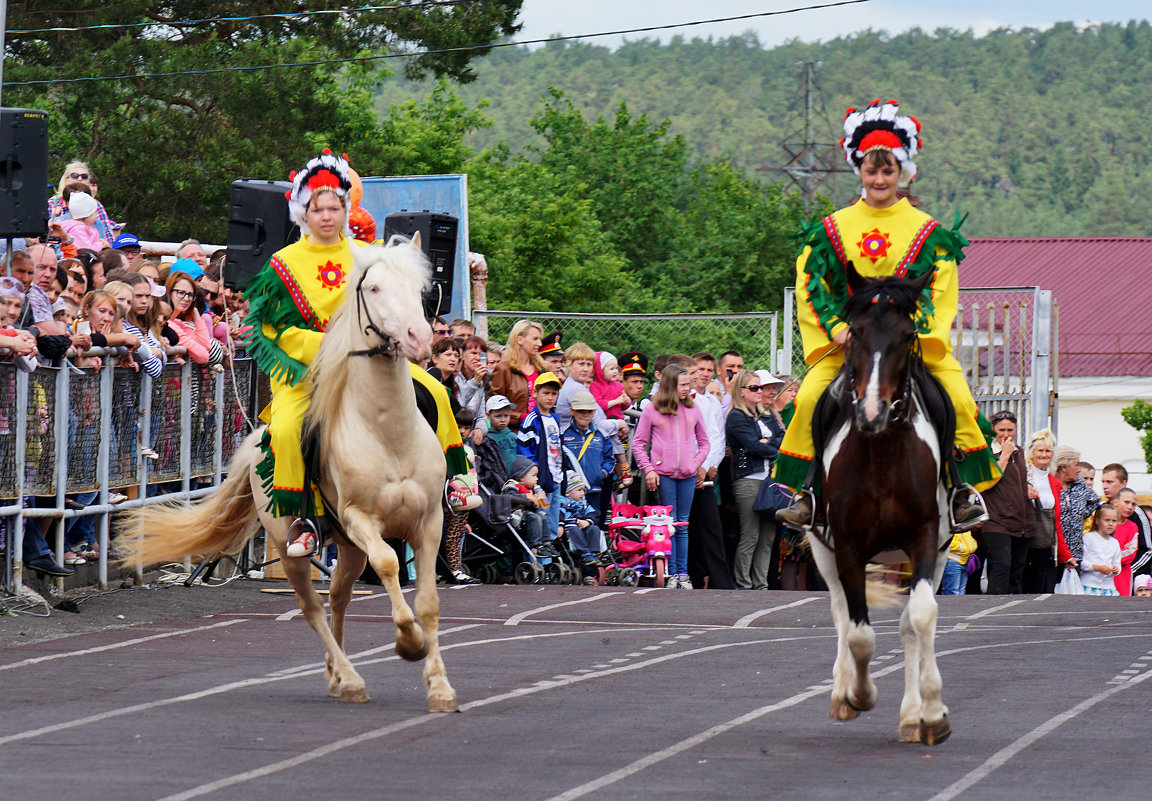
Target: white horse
(383, 474)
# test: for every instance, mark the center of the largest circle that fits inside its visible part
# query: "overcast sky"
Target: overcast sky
(542, 18)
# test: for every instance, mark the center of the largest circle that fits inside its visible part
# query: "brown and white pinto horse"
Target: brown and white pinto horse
(882, 493)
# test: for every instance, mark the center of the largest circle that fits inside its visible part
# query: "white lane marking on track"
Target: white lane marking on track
(1006, 753)
(811, 692)
(540, 686)
(283, 672)
(291, 614)
(746, 621)
(991, 609)
(517, 618)
(35, 660)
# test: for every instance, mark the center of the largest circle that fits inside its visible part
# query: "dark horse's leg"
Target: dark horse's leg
(923, 715)
(852, 687)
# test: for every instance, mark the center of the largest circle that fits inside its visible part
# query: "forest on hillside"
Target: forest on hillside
(1032, 133)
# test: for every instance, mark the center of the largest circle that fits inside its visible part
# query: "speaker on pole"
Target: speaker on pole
(23, 172)
(438, 234)
(258, 225)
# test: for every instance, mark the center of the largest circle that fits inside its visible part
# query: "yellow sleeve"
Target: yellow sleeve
(816, 335)
(301, 344)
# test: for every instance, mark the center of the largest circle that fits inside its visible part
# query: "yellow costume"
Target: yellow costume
(292, 300)
(899, 240)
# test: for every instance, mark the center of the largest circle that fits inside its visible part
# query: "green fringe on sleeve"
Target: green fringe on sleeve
(270, 303)
(828, 287)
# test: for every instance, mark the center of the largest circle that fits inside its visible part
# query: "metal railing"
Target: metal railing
(66, 431)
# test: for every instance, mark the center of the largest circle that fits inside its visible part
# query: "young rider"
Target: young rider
(882, 234)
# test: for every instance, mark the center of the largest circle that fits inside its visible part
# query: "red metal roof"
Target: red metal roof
(1102, 285)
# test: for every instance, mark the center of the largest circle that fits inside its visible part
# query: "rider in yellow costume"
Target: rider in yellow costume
(882, 235)
(291, 302)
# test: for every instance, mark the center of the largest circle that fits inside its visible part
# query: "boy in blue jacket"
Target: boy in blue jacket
(539, 440)
(579, 521)
(593, 451)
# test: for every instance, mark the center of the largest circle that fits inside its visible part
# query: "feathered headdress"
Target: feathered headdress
(881, 126)
(325, 170)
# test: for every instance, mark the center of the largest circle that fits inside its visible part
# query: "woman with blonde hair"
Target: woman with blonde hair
(517, 372)
(1077, 500)
(1048, 549)
(79, 172)
(754, 435)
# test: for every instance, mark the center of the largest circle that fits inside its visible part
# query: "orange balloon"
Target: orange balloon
(357, 193)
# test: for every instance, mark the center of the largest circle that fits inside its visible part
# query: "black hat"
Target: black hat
(633, 362)
(551, 344)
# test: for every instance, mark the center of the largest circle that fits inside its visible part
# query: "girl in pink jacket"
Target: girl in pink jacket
(670, 445)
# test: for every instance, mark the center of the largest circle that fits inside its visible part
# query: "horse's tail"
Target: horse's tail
(221, 523)
(881, 594)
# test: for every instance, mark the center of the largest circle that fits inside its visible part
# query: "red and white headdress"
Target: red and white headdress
(326, 170)
(881, 126)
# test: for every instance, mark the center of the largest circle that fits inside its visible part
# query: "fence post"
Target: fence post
(789, 325)
(16, 531)
(103, 472)
(1042, 359)
(63, 410)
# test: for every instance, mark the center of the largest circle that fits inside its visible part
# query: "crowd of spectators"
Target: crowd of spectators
(86, 295)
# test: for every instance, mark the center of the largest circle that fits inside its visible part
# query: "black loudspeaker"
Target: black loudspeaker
(438, 240)
(258, 226)
(23, 172)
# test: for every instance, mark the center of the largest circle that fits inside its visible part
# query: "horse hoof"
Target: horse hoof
(359, 696)
(909, 733)
(862, 705)
(411, 647)
(842, 710)
(935, 733)
(442, 703)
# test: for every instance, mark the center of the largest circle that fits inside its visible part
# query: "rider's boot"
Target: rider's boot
(304, 537)
(799, 514)
(966, 515)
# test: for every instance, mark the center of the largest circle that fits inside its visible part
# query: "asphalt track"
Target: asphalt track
(583, 692)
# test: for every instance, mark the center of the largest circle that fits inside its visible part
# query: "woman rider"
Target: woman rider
(882, 234)
(292, 300)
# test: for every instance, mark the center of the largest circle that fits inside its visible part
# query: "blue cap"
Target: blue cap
(188, 266)
(126, 241)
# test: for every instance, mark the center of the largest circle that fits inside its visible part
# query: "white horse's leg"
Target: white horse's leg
(367, 534)
(910, 704)
(862, 645)
(825, 558)
(441, 696)
(299, 573)
(922, 611)
(349, 567)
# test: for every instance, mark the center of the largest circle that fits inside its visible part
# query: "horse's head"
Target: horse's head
(879, 352)
(389, 306)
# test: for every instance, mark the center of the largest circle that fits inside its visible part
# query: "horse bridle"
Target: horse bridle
(389, 345)
(899, 407)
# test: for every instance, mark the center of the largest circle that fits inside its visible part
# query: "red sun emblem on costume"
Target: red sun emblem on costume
(332, 276)
(874, 245)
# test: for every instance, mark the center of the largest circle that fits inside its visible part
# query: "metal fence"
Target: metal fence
(756, 335)
(1004, 339)
(66, 431)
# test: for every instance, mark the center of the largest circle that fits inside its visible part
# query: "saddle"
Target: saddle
(926, 389)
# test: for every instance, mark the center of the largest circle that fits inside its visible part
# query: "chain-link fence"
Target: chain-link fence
(754, 335)
(1004, 339)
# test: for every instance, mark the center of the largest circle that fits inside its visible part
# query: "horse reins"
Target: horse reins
(389, 345)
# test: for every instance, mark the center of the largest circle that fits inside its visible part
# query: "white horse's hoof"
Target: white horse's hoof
(863, 705)
(909, 733)
(842, 710)
(354, 696)
(935, 733)
(442, 703)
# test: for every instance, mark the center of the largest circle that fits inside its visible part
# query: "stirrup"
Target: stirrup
(977, 501)
(307, 542)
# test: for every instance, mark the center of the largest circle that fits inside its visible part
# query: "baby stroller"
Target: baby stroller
(492, 552)
(640, 544)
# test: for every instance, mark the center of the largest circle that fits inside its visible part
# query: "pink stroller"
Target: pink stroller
(640, 541)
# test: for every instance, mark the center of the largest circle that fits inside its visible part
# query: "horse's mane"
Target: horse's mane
(903, 293)
(329, 370)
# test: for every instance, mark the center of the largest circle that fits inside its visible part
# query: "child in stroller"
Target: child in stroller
(523, 481)
(578, 519)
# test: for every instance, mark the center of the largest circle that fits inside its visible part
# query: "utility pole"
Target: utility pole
(811, 164)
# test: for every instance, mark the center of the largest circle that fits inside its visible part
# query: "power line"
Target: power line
(212, 20)
(439, 51)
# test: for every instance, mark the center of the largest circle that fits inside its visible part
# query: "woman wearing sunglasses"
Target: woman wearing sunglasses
(78, 171)
(754, 435)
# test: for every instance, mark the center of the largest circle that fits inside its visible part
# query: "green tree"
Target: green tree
(167, 148)
(1139, 416)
